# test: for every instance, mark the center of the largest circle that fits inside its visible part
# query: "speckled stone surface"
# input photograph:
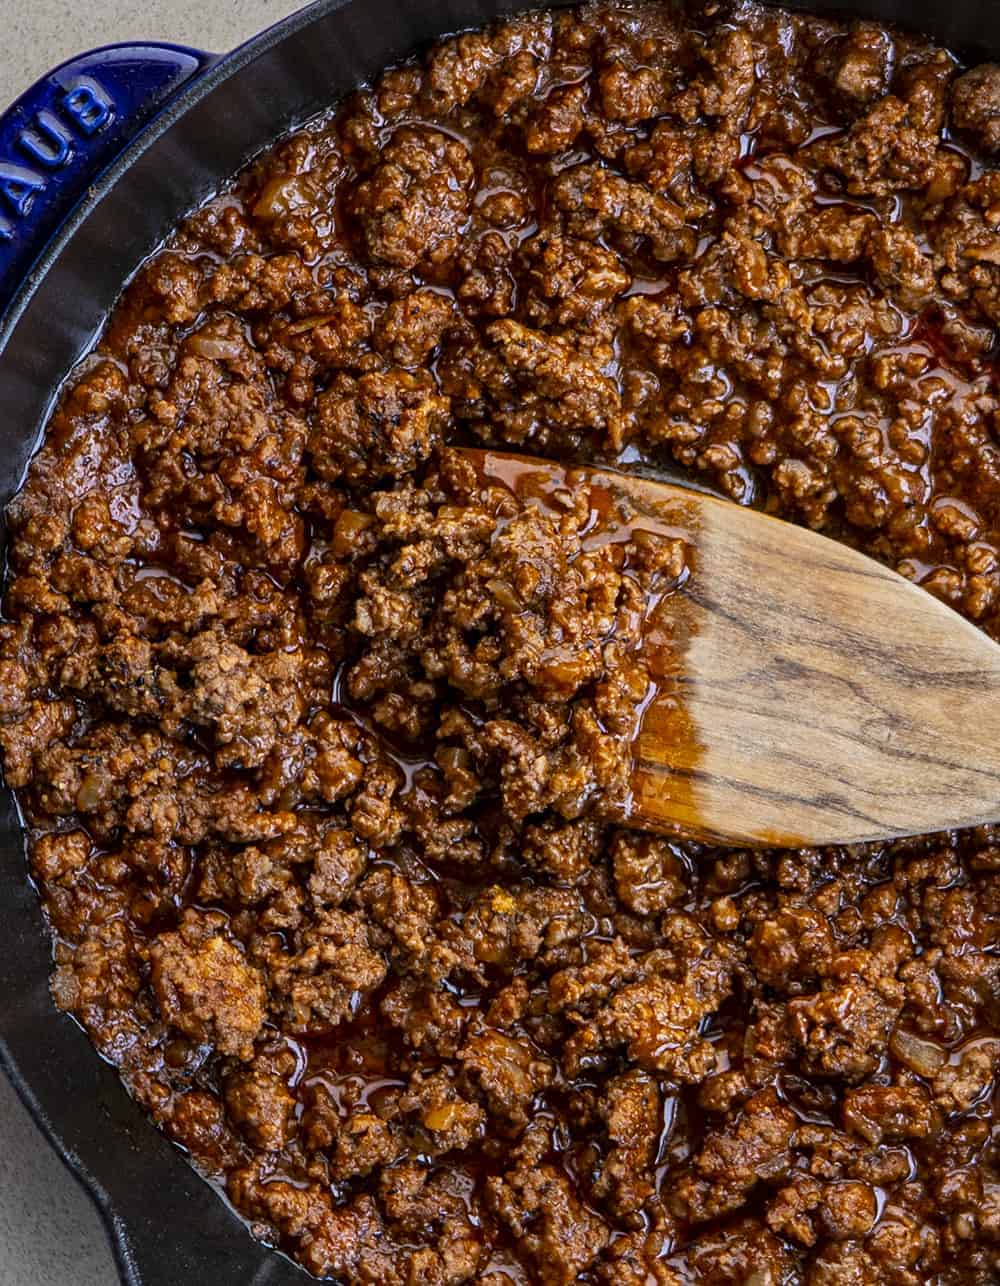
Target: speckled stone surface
(50, 1234)
(38, 34)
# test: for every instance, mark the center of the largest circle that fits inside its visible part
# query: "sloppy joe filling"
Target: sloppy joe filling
(318, 733)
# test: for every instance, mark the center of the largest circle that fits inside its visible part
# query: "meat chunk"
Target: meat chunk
(975, 105)
(570, 280)
(247, 701)
(888, 1112)
(205, 986)
(967, 242)
(633, 1115)
(338, 866)
(259, 1101)
(892, 146)
(413, 206)
(649, 876)
(535, 387)
(384, 424)
(732, 1162)
(412, 327)
(322, 984)
(660, 1016)
(844, 1029)
(509, 1072)
(558, 1235)
(960, 1084)
(857, 66)
(791, 945)
(595, 203)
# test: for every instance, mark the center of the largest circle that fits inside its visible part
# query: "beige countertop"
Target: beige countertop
(39, 34)
(50, 1234)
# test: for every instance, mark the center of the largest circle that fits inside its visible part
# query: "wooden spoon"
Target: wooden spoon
(805, 694)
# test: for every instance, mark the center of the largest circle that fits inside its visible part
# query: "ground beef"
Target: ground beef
(320, 730)
(414, 204)
(204, 986)
(975, 105)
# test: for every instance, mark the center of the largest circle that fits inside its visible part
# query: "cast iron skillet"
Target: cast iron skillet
(77, 216)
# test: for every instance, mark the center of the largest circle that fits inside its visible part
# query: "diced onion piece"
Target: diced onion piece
(503, 592)
(308, 323)
(215, 348)
(925, 1057)
(282, 195)
(349, 526)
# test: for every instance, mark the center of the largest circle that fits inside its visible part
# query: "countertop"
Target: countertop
(50, 1233)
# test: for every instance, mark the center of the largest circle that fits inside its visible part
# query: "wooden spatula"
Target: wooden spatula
(805, 693)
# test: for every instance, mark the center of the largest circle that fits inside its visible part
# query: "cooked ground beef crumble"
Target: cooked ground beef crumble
(314, 729)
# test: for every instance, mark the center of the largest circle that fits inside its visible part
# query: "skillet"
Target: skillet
(98, 162)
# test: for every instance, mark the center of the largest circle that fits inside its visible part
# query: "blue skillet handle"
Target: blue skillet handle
(59, 135)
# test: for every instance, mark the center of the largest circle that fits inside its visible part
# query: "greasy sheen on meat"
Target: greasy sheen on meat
(315, 731)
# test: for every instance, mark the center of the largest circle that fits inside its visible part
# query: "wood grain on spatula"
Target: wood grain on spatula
(805, 694)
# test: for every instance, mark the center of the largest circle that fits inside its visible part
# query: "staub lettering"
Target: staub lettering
(76, 113)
